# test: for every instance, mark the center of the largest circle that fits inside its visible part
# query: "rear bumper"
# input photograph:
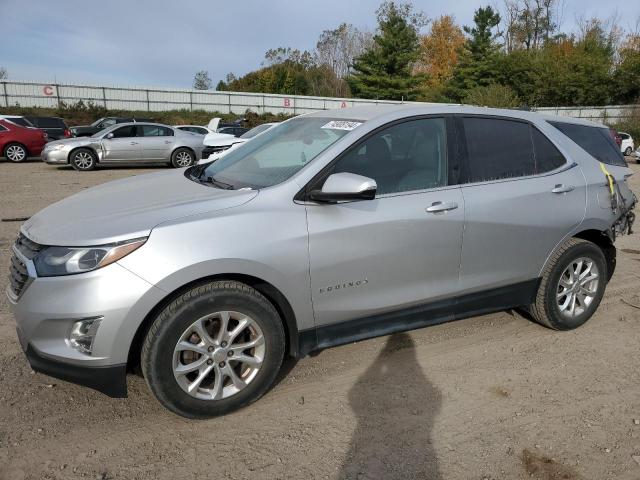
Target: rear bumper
(110, 380)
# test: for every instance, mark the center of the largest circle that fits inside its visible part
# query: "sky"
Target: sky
(163, 43)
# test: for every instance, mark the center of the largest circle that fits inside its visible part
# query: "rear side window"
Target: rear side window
(548, 157)
(48, 122)
(596, 141)
(154, 131)
(23, 122)
(497, 149)
(2, 128)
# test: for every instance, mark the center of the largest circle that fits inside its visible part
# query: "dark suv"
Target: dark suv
(55, 127)
(102, 123)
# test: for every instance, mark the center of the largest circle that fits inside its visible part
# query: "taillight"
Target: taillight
(67, 132)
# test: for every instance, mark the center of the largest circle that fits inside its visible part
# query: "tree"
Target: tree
(202, 81)
(3, 73)
(494, 95)
(439, 51)
(530, 23)
(479, 56)
(628, 71)
(385, 69)
(338, 48)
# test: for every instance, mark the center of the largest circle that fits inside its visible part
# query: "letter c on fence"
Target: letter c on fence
(287, 102)
(344, 105)
(47, 90)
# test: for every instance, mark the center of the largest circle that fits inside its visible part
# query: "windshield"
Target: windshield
(276, 155)
(255, 131)
(97, 122)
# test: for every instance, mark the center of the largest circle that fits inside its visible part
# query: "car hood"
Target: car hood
(216, 139)
(127, 208)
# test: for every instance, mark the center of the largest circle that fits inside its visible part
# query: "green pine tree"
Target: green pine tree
(385, 70)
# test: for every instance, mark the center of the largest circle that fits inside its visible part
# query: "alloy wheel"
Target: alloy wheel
(577, 287)
(183, 159)
(83, 160)
(218, 355)
(16, 153)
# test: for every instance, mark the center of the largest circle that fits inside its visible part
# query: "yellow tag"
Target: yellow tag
(609, 178)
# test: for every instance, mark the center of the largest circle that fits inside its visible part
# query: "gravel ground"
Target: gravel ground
(491, 397)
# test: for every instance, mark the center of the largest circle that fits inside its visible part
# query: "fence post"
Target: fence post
(148, 108)
(191, 101)
(6, 97)
(229, 95)
(58, 93)
(104, 98)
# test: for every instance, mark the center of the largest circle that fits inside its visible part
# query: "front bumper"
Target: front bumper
(110, 379)
(54, 157)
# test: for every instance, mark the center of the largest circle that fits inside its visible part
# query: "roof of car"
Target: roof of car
(371, 112)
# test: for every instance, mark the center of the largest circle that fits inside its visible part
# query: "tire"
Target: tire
(163, 355)
(83, 159)
(15, 152)
(628, 151)
(182, 158)
(547, 309)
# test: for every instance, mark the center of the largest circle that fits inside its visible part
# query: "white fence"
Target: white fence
(30, 94)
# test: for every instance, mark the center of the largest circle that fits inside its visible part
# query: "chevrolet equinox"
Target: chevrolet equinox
(329, 228)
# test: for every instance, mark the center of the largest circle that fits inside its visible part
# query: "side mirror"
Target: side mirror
(109, 136)
(343, 187)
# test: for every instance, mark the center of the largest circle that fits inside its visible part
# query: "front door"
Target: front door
(123, 146)
(400, 250)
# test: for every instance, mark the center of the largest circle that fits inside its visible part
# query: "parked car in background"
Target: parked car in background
(626, 143)
(217, 144)
(55, 127)
(127, 143)
(235, 131)
(197, 129)
(636, 155)
(102, 123)
(18, 120)
(17, 143)
(617, 138)
(330, 228)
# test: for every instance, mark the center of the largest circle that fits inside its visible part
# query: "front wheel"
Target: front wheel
(214, 349)
(83, 160)
(572, 286)
(182, 157)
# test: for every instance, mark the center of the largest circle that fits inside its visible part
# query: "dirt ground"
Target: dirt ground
(491, 397)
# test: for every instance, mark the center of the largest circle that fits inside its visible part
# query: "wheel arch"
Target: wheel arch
(86, 147)
(13, 142)
(271, 293)
(603, 240)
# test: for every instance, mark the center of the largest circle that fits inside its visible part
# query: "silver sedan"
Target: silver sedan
(127, 143)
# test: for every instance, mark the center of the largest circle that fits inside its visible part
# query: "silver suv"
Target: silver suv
(329, 228)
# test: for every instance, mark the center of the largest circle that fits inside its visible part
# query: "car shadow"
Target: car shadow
(395, 405)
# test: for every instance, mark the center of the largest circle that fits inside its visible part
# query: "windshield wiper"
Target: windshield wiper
(219, 184)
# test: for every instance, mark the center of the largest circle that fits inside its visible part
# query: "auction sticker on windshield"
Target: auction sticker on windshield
(341, 125)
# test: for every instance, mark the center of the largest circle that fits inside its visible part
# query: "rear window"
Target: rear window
(596, 141)
(44, 122)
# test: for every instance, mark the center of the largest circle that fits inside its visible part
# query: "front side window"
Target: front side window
(407, 156)
(497, 149)
(125, 132)
(276, 155)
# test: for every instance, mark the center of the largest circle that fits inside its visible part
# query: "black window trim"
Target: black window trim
(452, 159)
(464, 157)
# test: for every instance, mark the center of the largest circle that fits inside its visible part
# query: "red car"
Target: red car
(18, 142)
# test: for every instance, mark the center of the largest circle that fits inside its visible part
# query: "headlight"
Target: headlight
(55, 261)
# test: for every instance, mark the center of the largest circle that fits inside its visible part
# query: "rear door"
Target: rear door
(123, 147)
(400, 250)
(157, 142)
(522, 198)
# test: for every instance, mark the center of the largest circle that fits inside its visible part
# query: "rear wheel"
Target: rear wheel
(182, 157)
(215, 349)
(83, 159)
(15, 152)
(572, 286)
(628, 151)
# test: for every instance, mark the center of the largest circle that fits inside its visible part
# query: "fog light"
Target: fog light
(83, 333)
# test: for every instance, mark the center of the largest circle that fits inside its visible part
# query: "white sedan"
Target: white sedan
(218, 144)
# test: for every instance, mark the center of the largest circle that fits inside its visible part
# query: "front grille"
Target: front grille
(18, 274)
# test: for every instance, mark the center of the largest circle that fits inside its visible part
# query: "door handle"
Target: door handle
(134, 143)
(167, 142)
(441, 207)
(560, 188)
